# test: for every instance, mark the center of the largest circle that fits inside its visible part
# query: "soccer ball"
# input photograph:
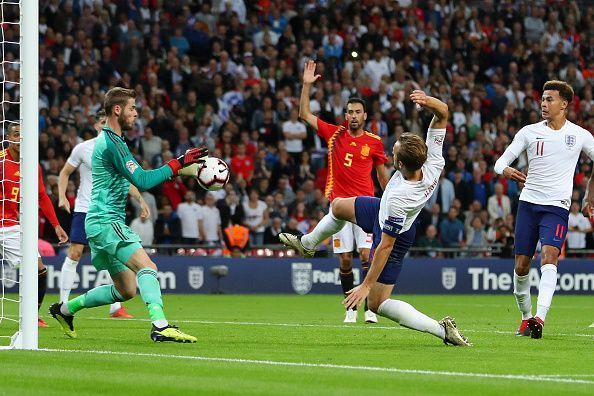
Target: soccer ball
(213, 174)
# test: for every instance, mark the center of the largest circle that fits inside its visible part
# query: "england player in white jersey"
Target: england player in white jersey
(80, 159)
(553, 147)
(391, 220)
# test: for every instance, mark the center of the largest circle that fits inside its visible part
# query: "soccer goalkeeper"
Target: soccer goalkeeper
(114, 246)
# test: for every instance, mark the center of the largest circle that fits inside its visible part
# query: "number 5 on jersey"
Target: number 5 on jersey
(348, 159)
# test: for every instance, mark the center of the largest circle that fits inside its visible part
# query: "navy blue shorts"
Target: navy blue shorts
(534, 222)
(367, 214)
(77, 229)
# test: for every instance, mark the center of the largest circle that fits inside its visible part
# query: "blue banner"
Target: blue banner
(303, 276)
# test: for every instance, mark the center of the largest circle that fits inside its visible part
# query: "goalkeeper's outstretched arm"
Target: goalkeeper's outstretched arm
(127, 166)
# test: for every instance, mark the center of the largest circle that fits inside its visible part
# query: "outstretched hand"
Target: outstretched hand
(62, 236)
(63, 203)
(309, 76)
(355, 296)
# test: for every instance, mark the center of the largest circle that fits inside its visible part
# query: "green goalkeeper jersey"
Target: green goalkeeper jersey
(113, 169)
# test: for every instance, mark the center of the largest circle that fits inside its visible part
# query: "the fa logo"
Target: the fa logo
(448, 277)
(570, 140)
(196, 277)
(301, 277)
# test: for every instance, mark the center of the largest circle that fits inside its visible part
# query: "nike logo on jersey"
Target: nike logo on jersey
(539, 138)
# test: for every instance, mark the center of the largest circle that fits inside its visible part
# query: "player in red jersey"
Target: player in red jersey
(352, 155)
(10, 229)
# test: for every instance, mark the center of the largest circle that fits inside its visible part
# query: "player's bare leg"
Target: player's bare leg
(150, 291)
(41, 288)
(347, 281)
(406, 315)
(370, 316)
(522, 292)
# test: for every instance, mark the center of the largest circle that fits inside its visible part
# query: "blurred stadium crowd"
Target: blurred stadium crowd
(226, 74)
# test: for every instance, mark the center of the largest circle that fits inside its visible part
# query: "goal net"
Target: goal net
(18, 176)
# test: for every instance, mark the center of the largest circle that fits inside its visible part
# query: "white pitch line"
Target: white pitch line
(350, 327)
(333, 366)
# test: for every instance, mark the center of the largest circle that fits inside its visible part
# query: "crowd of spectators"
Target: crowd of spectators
(226, 74)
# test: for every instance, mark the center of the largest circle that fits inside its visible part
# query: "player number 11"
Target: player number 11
(348, 159)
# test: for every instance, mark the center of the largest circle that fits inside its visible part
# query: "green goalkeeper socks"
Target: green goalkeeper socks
(150, 291)
(102, 295)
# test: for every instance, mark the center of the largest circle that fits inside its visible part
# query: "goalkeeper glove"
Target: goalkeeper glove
(191, 156)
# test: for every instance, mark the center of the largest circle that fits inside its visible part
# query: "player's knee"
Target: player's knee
(127, 292)
(346, 262)
(365, 256)
(338, 207)
(522, 265)
(151, 264)
(373, 304)
(549, 256)
(74, 253)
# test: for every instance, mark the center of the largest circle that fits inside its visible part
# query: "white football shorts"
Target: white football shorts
(10, 245)
(343, 241)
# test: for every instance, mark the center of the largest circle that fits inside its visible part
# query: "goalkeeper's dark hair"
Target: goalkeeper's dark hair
(565, 90)
(117, 96)
(356, 99)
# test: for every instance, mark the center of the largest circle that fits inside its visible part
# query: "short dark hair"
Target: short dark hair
(117, 96)
(413, 151)
(565, 90)
(356, 99)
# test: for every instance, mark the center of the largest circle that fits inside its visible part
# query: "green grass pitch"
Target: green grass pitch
(297, 345)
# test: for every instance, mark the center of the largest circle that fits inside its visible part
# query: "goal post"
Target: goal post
(29, 115)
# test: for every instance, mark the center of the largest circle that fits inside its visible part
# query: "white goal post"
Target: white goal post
(29, 79)
(25, 334)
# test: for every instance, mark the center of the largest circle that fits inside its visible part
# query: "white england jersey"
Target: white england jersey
(81, 158)
(552, 158)
(403, 200)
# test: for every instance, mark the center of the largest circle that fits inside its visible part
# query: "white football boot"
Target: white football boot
(350, 316)
(370, 317)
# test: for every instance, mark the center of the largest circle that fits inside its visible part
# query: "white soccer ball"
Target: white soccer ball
(213, 174)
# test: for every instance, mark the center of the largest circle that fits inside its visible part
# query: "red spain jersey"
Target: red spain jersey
(10, 175)
(350, 161)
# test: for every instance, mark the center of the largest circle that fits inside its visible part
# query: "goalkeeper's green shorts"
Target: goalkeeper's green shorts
(112, 245)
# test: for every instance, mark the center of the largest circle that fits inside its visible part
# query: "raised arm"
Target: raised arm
(436, 106)
(65, 173)
(309, 77)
